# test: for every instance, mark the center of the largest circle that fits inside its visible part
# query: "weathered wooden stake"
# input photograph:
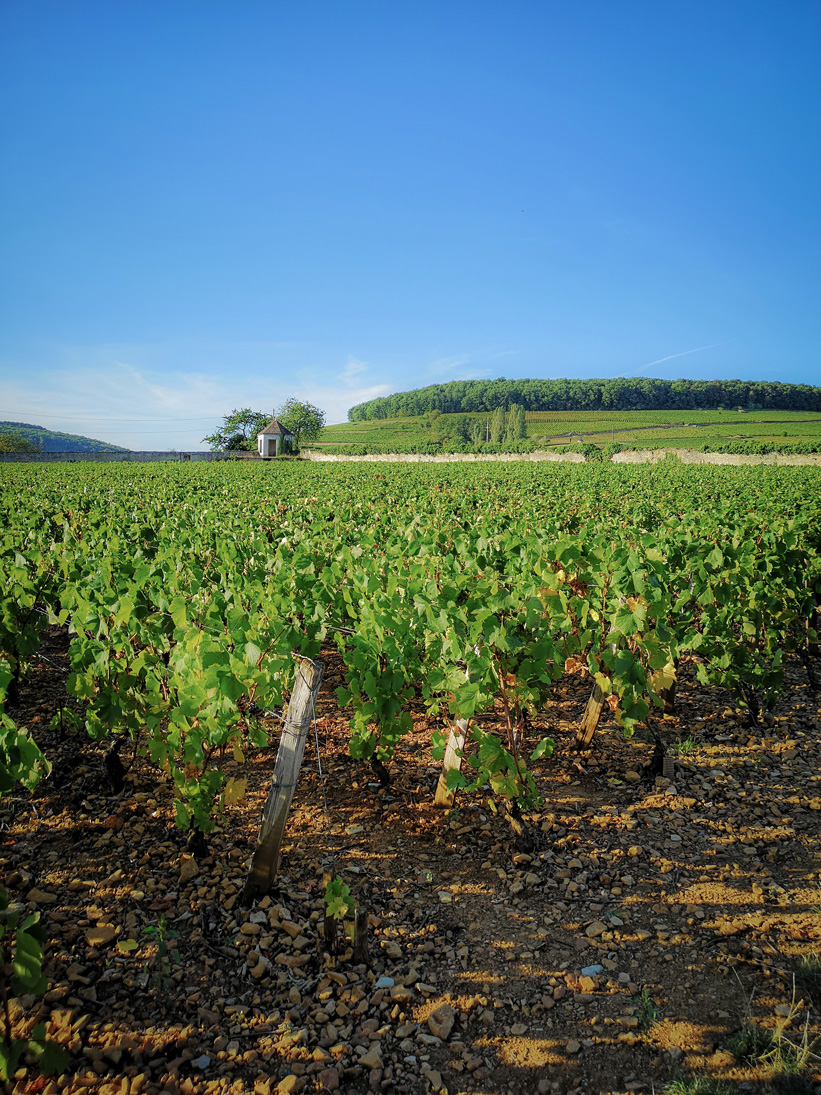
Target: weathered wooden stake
(453, 759)
(265, 862)
(453, 756)
(813, 647)
(360, 937)
(329, 934)
(668, 695)
(590, 719)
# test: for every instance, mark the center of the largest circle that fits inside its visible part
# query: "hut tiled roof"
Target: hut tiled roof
(274, 429)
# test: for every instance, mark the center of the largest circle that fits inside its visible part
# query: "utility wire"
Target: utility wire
(71, 418)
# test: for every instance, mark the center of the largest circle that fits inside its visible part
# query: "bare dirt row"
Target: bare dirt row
(614, 941)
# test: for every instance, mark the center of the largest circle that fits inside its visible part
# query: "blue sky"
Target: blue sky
(216, 204)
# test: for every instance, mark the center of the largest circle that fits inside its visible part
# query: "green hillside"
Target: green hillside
(728, 430)
(54, 441)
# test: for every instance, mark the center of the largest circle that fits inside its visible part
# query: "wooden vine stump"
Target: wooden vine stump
(360, 937)
(265, 862)
(668, 695)
(453, 760)
(329, 934)
(590, 719)
(330, 925)
(668, 698)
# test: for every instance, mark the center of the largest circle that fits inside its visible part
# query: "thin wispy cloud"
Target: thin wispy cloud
(124, 405)
(446, 364)
(685, 353)
(336, 401)
(471, 366)
(177, 384)
(147, 408)
(353, 369)
(473, 374)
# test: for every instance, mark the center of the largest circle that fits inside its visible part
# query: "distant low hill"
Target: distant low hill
(53, 441)
(613, 394)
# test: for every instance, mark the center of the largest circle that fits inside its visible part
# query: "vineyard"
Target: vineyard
(567, 712)
(713, 430)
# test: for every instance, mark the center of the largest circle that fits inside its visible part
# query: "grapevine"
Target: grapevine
(473, 591)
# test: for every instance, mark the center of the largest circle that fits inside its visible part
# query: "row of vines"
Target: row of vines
(187, 591)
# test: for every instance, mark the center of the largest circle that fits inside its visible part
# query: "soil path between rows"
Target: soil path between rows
(615, 944)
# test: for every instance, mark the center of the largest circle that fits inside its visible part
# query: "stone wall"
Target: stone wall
(107, 457)
(634, 456)
(445, 457)
(693, 456)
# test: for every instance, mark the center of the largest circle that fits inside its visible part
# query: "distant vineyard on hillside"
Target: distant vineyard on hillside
(716, 431)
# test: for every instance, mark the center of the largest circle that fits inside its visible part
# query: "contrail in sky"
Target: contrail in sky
(684, 353)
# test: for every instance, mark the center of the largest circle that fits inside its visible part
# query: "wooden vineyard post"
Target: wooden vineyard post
(329, 934)
(590, 719)
(330, 923)
(360, 937)
(811, 650)
(265, 861)
(453, 759)
(668, 695)
(668, 698)
(592, 712)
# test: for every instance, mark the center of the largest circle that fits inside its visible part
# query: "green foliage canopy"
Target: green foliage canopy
(14, 441)
(239, 431)
(497, 424)
(304, 420)
(616, 394)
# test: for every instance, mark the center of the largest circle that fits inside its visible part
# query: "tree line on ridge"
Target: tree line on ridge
(616, 394)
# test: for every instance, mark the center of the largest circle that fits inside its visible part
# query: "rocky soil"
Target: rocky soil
(615, 943)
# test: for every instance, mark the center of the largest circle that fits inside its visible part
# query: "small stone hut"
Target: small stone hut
(274, 440)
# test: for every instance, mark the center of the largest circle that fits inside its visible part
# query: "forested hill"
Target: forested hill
(617, 394)
(53, 441)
